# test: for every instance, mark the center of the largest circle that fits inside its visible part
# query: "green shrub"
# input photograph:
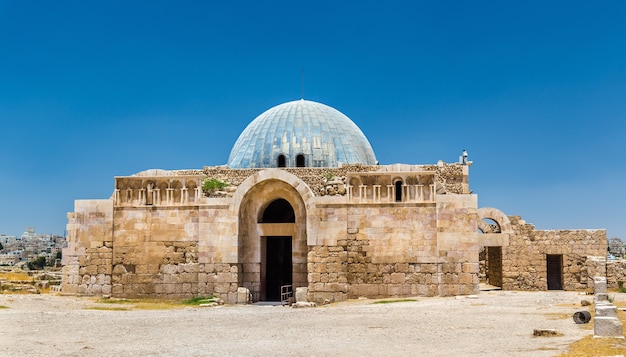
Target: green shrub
(211, 185)
(37, 264)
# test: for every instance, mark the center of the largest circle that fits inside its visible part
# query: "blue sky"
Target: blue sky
(535, 91)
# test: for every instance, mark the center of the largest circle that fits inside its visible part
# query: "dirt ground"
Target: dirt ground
(494, 323)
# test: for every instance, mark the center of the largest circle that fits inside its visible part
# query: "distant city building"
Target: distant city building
(5, 239)
(29, 246)
(9, 259)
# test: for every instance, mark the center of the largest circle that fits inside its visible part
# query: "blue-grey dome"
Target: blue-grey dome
(301, 133)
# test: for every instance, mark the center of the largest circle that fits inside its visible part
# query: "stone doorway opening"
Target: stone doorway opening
(554, 268)
(278, 268)
(490, 259)
(272, 246)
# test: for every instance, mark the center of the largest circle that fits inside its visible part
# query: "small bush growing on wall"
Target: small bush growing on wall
(211, 185)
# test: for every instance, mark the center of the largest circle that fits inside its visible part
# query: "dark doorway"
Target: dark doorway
(278, 267)
(493, 265)
(398, 191)
(554, 264)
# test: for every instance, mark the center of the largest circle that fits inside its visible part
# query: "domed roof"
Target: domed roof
(301, 133)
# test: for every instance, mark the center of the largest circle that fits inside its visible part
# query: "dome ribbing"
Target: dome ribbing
(301, 133)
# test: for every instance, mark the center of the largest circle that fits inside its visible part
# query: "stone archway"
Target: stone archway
(495, 227)
(272, 235)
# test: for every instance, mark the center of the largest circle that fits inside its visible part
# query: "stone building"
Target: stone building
(302, 203)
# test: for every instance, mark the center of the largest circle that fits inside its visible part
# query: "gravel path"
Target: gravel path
(493, 323)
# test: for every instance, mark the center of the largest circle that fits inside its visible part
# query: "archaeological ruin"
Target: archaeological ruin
(302, 206)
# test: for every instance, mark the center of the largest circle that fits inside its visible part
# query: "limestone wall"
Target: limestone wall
(382, 250)
(88, 256)
(616, 272)
(158, 237)
(174, 252)
(451, 178)
(524, 259)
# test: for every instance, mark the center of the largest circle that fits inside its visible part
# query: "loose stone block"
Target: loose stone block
(243, 295)
(301, 294)
(605, 326)
(606, 310)
(601, 298)
(599, 284)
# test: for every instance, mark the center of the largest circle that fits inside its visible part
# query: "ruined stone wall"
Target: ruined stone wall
(87, 259)
(615, 272)
(524, 259)
(451, 178)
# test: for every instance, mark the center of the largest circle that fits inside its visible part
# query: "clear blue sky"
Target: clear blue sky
(534, 90)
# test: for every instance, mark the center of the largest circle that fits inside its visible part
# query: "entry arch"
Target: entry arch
(271, 209)
(495, 227)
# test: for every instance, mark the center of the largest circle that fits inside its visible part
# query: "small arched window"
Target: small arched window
(398, 191)
(300, 161)
(282, 162)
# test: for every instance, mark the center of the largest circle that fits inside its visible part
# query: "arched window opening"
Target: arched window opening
(300, 160)
(488, 225)
(279, 211)
(398, 191)
(282, 162)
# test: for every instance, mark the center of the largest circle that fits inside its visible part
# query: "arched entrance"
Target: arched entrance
(276, 251)
(494, 228)
(272, 239)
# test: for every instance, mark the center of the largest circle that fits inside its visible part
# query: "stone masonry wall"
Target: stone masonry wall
(394, 250)
(170, 253)
(524, 260)
(189, 248)
(615, 272)
(451, 177)
(176, 281)
(87, 259)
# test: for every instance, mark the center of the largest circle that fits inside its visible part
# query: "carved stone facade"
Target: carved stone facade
(303, 205)
(384, 231)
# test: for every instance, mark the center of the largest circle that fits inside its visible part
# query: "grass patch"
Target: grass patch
(15, 276)
(108, 308)
(393, 301)
(163, 305)
(116, 301)
(151, 304)
(138, 304)
(3, 307)
(195, 301)
(590, 346)
(601, 346)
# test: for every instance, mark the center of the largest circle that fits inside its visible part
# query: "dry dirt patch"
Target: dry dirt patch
(490, 324)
